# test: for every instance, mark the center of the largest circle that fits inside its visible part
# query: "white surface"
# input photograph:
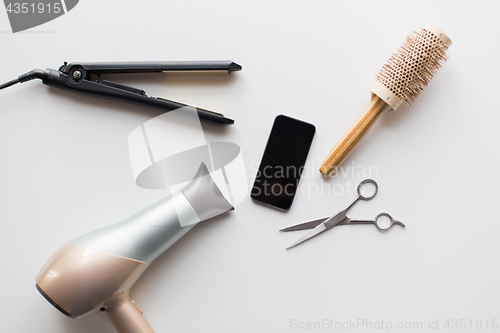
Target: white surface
(65, 167)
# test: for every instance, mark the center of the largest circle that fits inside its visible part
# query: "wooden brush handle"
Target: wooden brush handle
(353, 135)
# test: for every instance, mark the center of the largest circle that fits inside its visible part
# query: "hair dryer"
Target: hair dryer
(94, 273)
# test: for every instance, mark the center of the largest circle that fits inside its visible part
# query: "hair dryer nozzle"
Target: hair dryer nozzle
(204, 196)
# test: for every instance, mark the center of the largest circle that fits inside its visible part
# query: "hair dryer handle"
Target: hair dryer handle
(127, 317)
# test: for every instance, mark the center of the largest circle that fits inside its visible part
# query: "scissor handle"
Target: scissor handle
(393, 222)
(366, 181)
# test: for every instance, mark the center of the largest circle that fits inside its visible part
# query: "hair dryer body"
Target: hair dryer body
(94, 273)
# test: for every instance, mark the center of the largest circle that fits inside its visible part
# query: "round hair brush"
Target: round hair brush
(400, 81)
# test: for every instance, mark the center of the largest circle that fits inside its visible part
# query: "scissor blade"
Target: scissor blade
(335, 220)
(316, 231)
(305, 225)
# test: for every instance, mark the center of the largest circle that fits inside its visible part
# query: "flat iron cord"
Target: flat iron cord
(34, 74)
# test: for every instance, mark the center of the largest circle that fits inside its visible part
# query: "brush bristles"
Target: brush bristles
(411, 68)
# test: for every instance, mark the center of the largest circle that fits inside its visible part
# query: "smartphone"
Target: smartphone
(283, 162)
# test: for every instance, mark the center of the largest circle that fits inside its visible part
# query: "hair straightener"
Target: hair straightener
(76, 77)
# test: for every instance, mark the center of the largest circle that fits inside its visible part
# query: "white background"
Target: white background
(65, 168)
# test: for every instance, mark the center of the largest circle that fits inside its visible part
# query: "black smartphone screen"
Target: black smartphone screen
(284, 158)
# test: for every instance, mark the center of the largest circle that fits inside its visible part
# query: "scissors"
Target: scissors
(322, 225)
